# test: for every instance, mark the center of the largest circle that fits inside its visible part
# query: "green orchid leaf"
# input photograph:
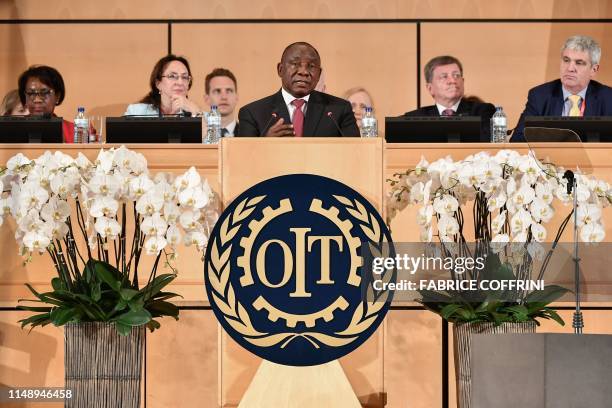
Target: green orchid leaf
(134, 318)
(58, 284)
(136, 304)
(36, 320)
(548, 295)
(89, 272)
(33, 291)
(153, 325)
(161, 308)
(123, 329)
(431, 296)
(449, 310)
(60, 316)
(96, 292)
(555, 316)
(108, 274)
(165, 296)
(157, 284)
(127, 294)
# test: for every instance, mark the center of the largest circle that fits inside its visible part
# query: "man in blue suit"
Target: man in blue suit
(575, 93)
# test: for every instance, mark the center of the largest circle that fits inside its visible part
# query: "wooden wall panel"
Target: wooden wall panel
(503, 61)
(181, 361)
(482, 9)
(317, 9)
(194, 9)
(34, 359)
(413, 360)
(104, 66)
(387, 69)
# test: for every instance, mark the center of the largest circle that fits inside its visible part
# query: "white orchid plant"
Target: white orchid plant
(94, 220)
(512, 196)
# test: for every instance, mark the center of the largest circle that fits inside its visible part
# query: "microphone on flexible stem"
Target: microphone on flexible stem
(273, 116)
(569, 176)
(331, 116)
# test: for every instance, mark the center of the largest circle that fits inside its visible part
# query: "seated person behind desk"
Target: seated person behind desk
(221, 89)
(575, 93)
(11, 105)
(444, 78)
(41, 89)
(359, 99)
(170, 81)
(297, 109)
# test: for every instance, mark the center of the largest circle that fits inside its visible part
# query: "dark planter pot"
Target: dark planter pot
(462, 340)
(103, 369)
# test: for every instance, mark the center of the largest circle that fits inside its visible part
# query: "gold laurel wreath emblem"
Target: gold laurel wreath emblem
(236, 315)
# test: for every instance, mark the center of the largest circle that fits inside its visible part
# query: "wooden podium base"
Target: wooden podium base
(276, 385)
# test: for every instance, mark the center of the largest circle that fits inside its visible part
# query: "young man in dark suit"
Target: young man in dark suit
(575, 93)
(221, 89)
(445, 83)
(297, 109)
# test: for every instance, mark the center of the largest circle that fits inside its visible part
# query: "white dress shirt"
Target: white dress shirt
(290, 98)
(443, 108)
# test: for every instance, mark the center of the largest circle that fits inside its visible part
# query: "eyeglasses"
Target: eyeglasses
(175, 77)
(43, 93)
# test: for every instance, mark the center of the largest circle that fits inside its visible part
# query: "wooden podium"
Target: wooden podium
(357, 163)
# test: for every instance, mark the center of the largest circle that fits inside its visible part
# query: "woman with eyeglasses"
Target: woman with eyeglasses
(170, 82)
(41, 89)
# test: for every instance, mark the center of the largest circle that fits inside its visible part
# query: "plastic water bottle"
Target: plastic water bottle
(81, 127)
(369, 125)
(499, 126)
(213, 122)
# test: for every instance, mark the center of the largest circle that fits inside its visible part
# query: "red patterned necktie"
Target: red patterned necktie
(448, 112)
(298, 117)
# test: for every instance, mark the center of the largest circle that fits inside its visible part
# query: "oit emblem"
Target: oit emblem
(287, 269)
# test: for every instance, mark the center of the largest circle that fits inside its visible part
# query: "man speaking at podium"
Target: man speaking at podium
(575, 93)
(297, 109)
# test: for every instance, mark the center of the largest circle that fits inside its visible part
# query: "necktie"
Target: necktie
(448, 112)
(224, 132)
(575, 109)
(298, 117)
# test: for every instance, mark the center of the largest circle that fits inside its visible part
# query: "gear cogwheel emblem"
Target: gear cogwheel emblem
(284, 269)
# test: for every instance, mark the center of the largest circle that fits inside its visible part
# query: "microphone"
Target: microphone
(331, 116)
(183, 113)
(569, 176)
(273, 116)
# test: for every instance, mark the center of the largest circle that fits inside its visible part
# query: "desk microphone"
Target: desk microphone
(273, 116)
(331, 116)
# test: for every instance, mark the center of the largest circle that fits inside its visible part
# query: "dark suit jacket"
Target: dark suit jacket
(547, 100)
(465, 108)
(256, 117)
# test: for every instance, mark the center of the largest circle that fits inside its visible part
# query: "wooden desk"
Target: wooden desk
(182, 358)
